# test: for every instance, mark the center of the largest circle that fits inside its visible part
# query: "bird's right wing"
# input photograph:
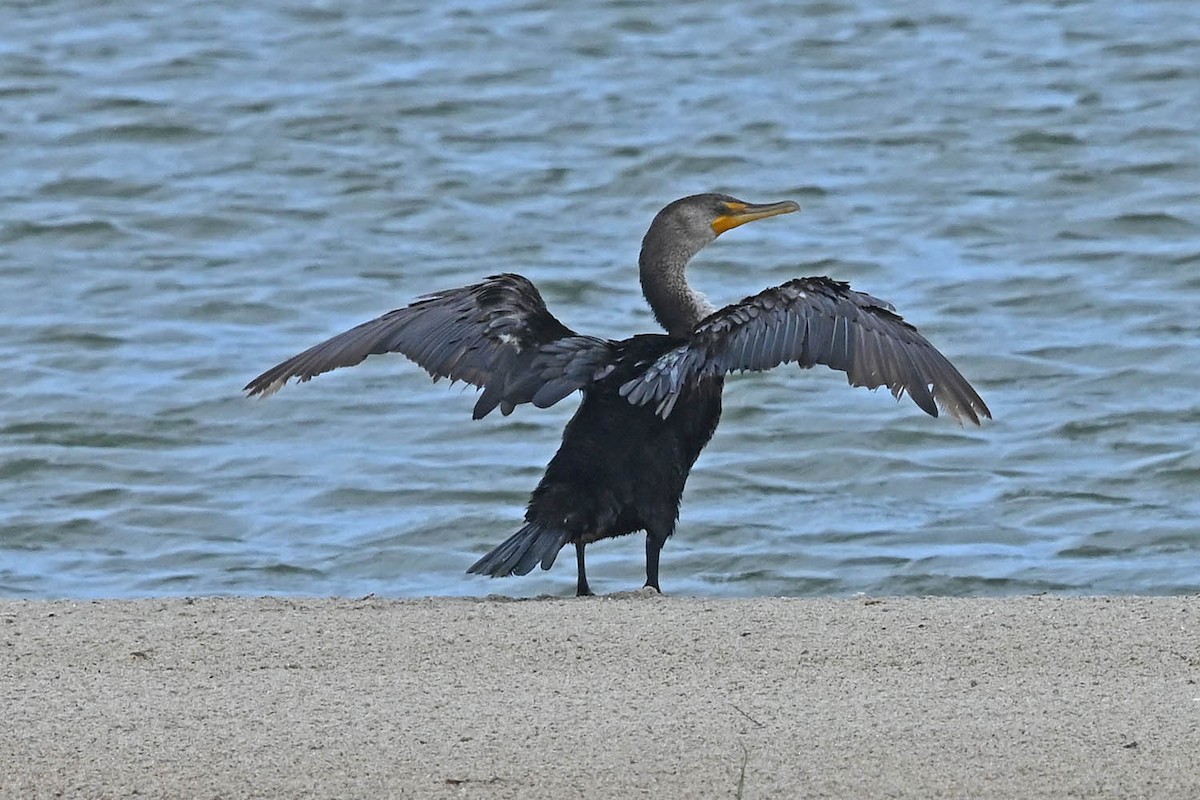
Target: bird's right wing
(497, 335)
(812, 321)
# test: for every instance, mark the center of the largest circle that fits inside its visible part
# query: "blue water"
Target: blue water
(194, 192)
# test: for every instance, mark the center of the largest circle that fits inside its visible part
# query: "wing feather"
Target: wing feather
(497, 335)
(813, 321)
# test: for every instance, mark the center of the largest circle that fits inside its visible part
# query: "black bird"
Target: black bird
(650, 402)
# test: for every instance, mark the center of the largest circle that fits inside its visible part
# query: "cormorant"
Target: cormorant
(650, 402)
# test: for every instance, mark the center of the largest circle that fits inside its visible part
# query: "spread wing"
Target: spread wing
(496, 335)
(813, 321)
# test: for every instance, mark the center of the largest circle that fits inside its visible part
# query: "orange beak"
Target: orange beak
(741, 213)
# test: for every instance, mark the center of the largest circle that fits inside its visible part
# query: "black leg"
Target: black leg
(653, 548)
(581, 588)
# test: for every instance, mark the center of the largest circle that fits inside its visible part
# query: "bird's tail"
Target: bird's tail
(519, 552)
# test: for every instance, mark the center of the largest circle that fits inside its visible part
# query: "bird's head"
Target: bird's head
(688, 224)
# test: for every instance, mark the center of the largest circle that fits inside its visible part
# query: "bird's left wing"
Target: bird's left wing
(812, 321)
(497, 335)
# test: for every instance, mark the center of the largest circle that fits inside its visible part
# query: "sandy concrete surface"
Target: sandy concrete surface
(623, 697)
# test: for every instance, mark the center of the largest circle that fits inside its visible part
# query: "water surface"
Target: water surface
(191, 195)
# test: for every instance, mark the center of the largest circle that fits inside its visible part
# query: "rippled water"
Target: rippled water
(193, 193)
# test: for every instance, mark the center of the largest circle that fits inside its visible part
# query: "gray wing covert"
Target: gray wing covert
(497, 335)
(813, 321)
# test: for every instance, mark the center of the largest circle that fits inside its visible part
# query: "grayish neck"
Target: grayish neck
(676, 306)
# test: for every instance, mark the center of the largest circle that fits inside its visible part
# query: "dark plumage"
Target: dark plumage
(650, 402)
